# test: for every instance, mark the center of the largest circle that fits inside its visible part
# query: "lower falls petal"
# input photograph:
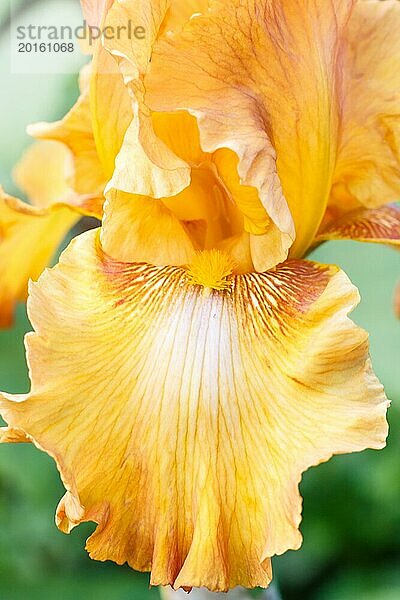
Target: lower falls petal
(181, 421)
(375, 225)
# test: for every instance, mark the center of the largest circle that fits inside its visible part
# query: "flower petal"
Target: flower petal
(145, 165)
(368, 168)
(137, 229)
(180, 11)
(137, 173)
(43, 190)
(110, 107)
(182, 418)
(75, 130)
(94, 10)
(261, 78)
(396, 301)
(29, 237)
(55, 189)
(381, 225)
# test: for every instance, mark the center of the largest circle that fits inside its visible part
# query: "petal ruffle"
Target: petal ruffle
(110, 108)
(31, 234)
(43, 188)
(29, 237)
(75, 130)
(145, 164)
(368, 167)
(380, 225)
(137, 229)
(181, 420)
(262, 79)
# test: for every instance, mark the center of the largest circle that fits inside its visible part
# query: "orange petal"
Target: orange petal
(45, 173)
(76, 132)
(396, 303)
(29, 237)
(55, 187)
(94, 11)
(8, 435)
(143, 230)
(182, 418)
(159, 176)
(368, 168)
(180, 11)
(145, 165)
(380, 225)
(110, 107)
(261, 78)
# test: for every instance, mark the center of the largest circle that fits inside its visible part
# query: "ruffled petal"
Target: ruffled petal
(262, 79)
(45, 174)
(368, 168)
(75, 130)
(380, 225)
(29, 237)
(43, 188)
(181, 417)
(161, 156)
(110, 108)
(137, 229)
(145, 165)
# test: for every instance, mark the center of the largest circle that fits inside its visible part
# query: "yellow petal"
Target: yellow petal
(266, 240)
(8, 435)
(94, 10)
(29, 237)
(159, 176)
(380, 225)
(396, 301)
(261, 78)
(182, 418)
(159, 149)
(180, 11)
(75, 131)
(368, 169)
(45, 173)
(143, 230)
(111, 108)
(145, 165)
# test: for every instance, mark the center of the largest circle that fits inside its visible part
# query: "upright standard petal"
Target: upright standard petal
(145, 165)
(262, 79)
(181, 417)
(110, 109)
(161, 156)
(368, 167)
(94, 11)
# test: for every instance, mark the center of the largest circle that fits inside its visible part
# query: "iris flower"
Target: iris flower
(188, 364)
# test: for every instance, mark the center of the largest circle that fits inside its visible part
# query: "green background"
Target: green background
(351, 523)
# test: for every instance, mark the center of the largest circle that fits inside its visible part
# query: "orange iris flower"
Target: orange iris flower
(187, 363)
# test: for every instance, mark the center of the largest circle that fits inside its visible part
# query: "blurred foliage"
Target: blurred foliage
(351, 519)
